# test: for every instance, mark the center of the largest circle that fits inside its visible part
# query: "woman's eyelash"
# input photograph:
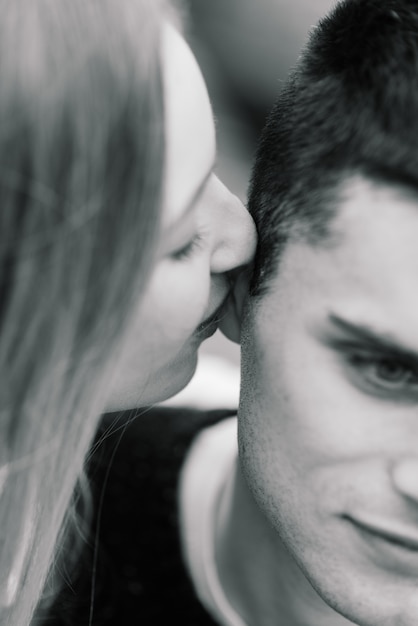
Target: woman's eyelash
(186, 251)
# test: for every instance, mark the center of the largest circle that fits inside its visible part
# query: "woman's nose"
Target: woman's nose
(235, 234)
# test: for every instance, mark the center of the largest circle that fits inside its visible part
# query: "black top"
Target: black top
(137, 569)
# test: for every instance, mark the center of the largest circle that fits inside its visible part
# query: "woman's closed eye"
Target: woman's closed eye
(186, 251)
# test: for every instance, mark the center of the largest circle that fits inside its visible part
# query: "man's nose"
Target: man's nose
(404, 473)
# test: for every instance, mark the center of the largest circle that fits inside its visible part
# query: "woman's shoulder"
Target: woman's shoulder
(131, 570)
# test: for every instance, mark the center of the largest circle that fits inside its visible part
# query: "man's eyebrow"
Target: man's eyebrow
(369, 337)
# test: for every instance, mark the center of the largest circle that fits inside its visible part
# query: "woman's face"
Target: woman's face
(206, 234)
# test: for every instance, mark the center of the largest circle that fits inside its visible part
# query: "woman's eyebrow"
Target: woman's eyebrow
(198, 192)
(177, 223)
(372, 338)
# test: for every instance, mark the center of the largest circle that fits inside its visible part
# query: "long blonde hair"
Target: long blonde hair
(81, 160)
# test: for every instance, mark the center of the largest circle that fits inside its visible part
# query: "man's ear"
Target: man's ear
(231, 323)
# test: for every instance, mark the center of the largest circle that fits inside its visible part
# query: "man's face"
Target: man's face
(329, 406)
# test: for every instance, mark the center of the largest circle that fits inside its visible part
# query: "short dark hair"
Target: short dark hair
(349, 107)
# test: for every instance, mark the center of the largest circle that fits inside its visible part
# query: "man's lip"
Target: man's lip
(214, 318)
(393, 532)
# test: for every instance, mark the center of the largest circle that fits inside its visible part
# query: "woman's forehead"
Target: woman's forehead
(190, 131)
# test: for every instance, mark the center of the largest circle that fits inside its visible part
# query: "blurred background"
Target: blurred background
(245, 49)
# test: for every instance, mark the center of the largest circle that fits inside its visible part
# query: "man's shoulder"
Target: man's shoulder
(135, 470)
(156, 429)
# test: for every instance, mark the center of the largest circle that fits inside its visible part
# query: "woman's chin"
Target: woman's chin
(160, 385)
(175, 376)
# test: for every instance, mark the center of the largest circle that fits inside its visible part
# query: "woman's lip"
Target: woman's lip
(393, 532)
(213, 319)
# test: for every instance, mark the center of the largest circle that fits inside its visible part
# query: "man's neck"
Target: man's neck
(259, 577)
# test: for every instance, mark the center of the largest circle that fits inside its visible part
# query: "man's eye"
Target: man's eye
(385, 374)
(186, 251)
